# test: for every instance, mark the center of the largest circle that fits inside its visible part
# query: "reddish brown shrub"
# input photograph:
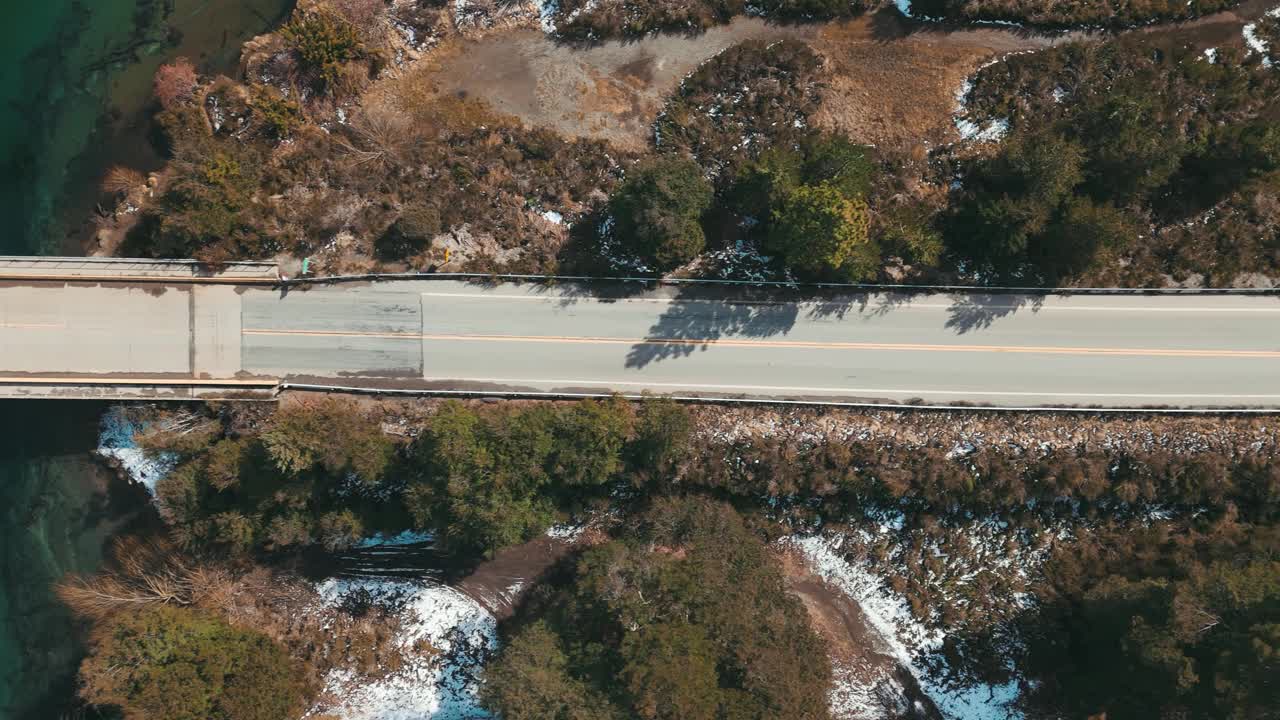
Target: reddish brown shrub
(175, 83)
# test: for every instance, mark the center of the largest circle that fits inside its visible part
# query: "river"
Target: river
(58, 507)
(75, 96)
(75, 99)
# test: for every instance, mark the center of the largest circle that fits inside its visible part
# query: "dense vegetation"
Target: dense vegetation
(801, 197)
(1114, 148)
(323, 473)
(683, 618)
(313, 475)
(498, 477)
(171, 662)
(1046, 13)
(658, 211)
(595, 20)
(1164, 622)
(586, 20)
(1161, 600)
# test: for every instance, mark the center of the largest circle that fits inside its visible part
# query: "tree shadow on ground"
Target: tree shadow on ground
(691, 323)
(697, 318)
(977, 311)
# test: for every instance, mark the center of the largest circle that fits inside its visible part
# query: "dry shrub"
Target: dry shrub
(183, 432)
(382, 138)
(175, 83)
(144, 573)
(364, 15)
(140, 573)
(122, 181)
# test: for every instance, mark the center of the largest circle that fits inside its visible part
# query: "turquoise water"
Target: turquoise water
(75, 80)
(57, 507)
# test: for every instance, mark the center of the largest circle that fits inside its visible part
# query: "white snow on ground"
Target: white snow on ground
(547, 10)
(408, 537)
(1211, 54)
(969, 130)
(115, 440)
(991, 132)
(1257, 44)
(439, 686)
(552, 216)
(566, 532)
(994, 129)
(904, 7)
(908, 640)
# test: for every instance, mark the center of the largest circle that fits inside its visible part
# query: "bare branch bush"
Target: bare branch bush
(121, 181)
(185, 432)
(381, 137)
(141, 573)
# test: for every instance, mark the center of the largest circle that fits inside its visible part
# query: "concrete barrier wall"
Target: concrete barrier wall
(129, 269)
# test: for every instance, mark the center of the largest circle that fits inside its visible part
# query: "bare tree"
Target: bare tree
(141, 573)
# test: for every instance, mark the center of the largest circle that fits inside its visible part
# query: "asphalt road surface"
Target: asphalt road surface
(1007, 350)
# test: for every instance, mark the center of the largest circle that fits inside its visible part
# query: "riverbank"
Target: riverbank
(58, 507)
(75, 99)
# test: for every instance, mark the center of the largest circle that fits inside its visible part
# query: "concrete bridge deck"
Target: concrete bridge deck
(188, 335)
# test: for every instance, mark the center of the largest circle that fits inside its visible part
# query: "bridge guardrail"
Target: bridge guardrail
(135, 269)
(778, 285)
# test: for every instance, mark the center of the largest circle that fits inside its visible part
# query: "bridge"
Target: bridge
(132, 329)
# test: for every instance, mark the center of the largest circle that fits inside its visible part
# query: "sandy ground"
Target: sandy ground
(612, 90)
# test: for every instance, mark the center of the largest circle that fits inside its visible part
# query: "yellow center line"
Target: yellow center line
(112, 380)
(917, 347)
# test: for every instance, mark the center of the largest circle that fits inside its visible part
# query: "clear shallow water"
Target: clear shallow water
(75, 80)
(58, 505)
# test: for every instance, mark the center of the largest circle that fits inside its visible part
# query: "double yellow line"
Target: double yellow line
(799, 344)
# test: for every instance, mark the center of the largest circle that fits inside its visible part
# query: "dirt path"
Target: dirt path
(892, 81)
(611, 91)
(868, 682)
(499, 583)
(890, 84)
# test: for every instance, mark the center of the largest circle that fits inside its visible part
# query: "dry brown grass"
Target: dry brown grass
(897, 91)
(143, 573)
(416, 93)
(123, 181)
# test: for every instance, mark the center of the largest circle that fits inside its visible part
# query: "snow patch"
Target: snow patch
(552, 216)
(566, 532)
(547, 10)
(908, 640)
(115, 441)
(440, 685)
(1257, 44)
(969, 130)
(408, 537)
(994, 129)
